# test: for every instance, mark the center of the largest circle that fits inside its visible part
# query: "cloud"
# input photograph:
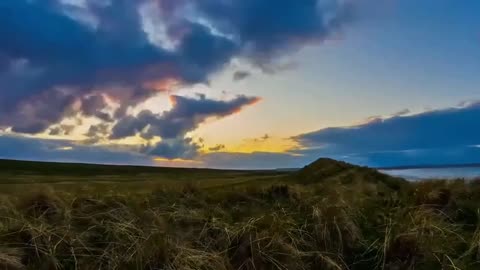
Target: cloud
(186, 114)
(38, 113)
(93, 106)
(402, 112)
(399, 140)
(97, 133)
(241, 75)
(173, 125)
(55, 55)
(62, 60)
(217, 148)
(62, 130)
(265, 137)
(174, 148)
(27, 148)
(415, 157)
(97, 59)
(444, 136)
(267, 28)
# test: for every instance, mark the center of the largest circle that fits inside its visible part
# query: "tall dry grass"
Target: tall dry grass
(340, 223)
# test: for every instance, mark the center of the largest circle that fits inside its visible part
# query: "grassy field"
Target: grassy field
(329, 215)
(18, 175)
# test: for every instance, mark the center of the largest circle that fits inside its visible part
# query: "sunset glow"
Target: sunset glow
(220, 84)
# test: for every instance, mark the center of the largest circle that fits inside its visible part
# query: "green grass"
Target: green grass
(330, 215)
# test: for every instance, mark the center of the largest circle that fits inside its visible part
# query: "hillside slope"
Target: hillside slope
(339, 172)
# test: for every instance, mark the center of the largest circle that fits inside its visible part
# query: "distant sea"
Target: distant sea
(468, 172)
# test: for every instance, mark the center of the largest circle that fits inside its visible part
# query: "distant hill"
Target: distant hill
(325, 169)
(320, 171)
(84, 169)
(41, 167)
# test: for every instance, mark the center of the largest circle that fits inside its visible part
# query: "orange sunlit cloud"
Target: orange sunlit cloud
(263, 144)
(161, 85)
(252, 102)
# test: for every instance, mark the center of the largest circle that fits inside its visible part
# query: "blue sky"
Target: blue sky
(153, 82)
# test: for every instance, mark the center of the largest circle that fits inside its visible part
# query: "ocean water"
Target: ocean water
(436, 173)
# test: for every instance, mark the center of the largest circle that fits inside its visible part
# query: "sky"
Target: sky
(240, 84)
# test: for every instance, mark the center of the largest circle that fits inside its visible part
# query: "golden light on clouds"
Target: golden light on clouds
(178, 162)
(263, 144)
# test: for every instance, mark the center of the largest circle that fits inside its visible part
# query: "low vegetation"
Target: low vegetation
(329, 215)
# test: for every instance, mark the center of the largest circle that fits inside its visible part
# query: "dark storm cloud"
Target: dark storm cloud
(48, 51)
(408, 139)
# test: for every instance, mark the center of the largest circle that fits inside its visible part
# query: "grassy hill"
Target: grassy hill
(328, 215)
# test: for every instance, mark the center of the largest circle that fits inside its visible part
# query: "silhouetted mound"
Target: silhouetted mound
(325, 169)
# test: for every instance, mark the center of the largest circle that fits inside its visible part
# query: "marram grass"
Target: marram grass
(328, 216)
